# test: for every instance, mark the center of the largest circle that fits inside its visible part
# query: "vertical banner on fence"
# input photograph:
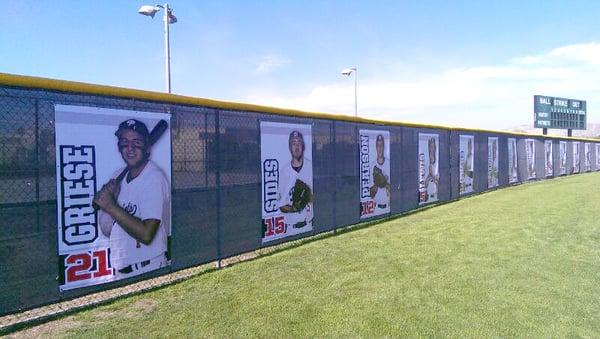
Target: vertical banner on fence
(548, 160)
(513, 173)
(562, 157)
(374, 172)
(466, 164)
(113, 172)
(428, 160)
(530, 155)
(287, 179)
(576, 158)
(588, 156)
(492, 162)
(597, 157)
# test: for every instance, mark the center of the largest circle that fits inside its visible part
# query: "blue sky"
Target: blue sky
(468, 63)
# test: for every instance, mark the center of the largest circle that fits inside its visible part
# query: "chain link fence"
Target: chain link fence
(216, 184)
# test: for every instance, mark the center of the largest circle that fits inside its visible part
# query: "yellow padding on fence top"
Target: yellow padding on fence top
(23, 81)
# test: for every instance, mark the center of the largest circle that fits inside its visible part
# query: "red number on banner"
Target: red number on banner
(102, 261)
(81, 262)
(279, 225)
(79, 265)
(275, 225)
(269, 231)
(368, 207)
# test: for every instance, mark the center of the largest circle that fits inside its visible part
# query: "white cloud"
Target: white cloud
(489, 96)
(269, 63)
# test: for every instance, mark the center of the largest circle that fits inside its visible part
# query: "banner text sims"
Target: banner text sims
(287, 179)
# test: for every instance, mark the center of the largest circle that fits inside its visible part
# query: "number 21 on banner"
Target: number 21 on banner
(87, 265)
(275, 225)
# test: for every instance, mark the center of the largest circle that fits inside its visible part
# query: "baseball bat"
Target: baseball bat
(155, 134)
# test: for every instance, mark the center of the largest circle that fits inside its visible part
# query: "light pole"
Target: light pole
(168, 18)
(347, 72)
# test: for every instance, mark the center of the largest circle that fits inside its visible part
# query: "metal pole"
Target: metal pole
(355, 92)
(167, 50)
(37, 164)
(335, 186)
(218, 184)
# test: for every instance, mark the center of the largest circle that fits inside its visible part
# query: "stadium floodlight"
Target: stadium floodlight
(169, 18)
(347, 72)
(148, 10)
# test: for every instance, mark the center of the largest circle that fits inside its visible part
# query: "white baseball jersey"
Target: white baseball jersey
(382, 197)
(514, 173)
(432, 185)
(287, 181)
(145, 197)
(466, 168)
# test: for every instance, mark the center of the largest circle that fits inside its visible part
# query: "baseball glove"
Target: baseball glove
(379, 178)
(301, 195)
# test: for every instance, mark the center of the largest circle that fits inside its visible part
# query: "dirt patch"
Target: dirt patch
(48, 329)
(140, 308)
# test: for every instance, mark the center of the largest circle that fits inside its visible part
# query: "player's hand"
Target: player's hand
(373, 191)
(104, 198)
(113, 187)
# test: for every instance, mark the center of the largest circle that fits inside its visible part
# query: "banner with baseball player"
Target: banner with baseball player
(576, 158)
(429, 174)
(113, 170)
(374, 162)
(287, 179)
(588, 156)
(562, 157)
(513, 173)
(492, 162)
(597, 157)
(466, 164)
(530, 156)
(548, 160)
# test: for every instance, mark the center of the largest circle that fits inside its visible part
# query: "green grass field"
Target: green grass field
(521, 261)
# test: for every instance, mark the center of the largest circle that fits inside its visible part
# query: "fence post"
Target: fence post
(205, 150)
(218, 183)
(335, 183)
(37, 164)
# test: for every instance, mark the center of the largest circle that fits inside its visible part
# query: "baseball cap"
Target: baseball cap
(296, 134)
(134, 125)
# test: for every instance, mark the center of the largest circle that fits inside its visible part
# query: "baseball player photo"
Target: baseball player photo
(492, 162)
(513, 173)
(562, 154)
(530, 155)
(588, 156)
(597, 157)
(548, 161)
(576, 158)
(114, 196)
(466, 164)
(287, 180)
(375, 188)
(428, 162)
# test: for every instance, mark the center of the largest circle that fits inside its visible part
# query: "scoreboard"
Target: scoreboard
(559, 113)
